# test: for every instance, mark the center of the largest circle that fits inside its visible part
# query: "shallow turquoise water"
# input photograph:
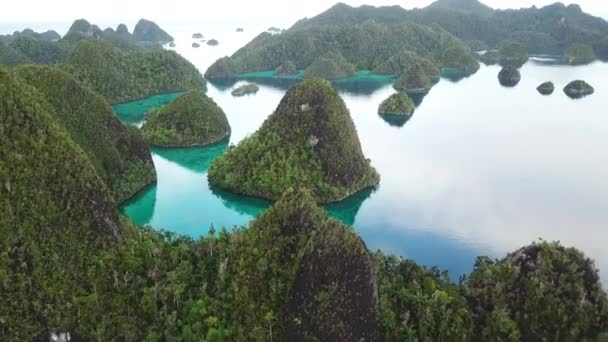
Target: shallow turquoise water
(478, 170)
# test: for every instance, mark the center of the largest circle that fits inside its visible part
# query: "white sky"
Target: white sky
(279, 12)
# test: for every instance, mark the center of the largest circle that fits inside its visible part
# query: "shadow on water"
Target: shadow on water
(134, 112)
(245, 205)
(196, 159)
(140, 208)
(346, 210)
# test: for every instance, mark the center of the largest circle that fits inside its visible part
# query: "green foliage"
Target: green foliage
(459, 58)
(366, 45)
(121, 76)
(118, 153)
(192, 119)
(397, 104)
(513, 54)
(332, 66)
(8, 56)
(309, 141)
(578, 54)
(414, 80)
(398, 64)
(601, 48)
(547, 30)
(546, 291)
(286, 68)
(490, 57)
(40, 51)
(246, 89)
(419, 304)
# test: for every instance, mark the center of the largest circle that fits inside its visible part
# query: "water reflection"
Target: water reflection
(197, 159)
(245, 205)
(395, 120)
(346, 211)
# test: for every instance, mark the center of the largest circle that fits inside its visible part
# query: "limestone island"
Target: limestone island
(460, 61)
(148, 31)
(172, 44)
(399, 63)
(546, 88)
(309, 141)
(192, 119)
(240, 29)
(579, 54)
(286, 68)
(213, 42)
(513, 54)
(245, 89)
(491, 57)
(397, 104)
(578, 89)
(332, 66)
(509, 76)
(196, 45)
(414, 80)
(197, 36)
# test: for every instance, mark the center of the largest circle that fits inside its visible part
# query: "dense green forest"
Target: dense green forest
(69, 264)
(366, 45)
(547, 30)
(118, 152)
(122, 76)
(192, 119)
(309, 141)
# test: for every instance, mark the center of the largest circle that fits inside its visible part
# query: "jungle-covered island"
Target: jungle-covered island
(578, 89)
(509, 76)
(512, 54)
(330, 67)
(309, 141)
(414, 80)
(397, 104)
(246, 89)
(192, 119)
(546, 88)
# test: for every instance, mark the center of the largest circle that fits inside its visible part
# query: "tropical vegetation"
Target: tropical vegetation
(397, 104)
(309, 141)
(192, 119)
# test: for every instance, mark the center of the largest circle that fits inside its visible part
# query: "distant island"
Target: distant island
(197, 36)
(192, 119)
(397, 104)
(213, 42)
(312, 134)
(246, 89)
(509, 76)
(578, 89)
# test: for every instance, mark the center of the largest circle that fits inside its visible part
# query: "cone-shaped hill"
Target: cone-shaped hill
(320, 275)
(309, 141)
(118, 152)
(192, 119)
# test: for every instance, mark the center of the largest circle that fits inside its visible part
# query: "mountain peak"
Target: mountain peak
(464, 6)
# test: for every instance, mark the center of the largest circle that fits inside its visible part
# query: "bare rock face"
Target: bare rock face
(334, 296)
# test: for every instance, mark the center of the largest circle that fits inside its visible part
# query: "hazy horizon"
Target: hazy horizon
(17, 16)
